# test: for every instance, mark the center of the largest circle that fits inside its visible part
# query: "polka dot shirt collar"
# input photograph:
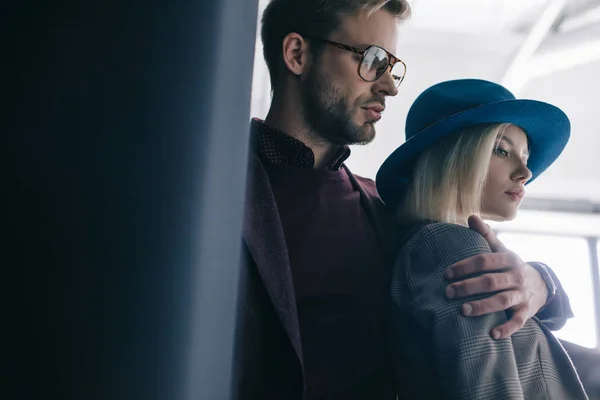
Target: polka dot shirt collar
(281, 149)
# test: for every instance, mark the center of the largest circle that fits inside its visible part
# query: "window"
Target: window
(569, 259)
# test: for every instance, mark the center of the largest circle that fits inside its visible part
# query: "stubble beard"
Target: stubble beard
(328, 114)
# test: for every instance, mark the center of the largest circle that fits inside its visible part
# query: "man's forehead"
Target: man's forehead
(378, 28)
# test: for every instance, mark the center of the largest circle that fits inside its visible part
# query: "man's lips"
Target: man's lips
(374, 111)
(375, 107)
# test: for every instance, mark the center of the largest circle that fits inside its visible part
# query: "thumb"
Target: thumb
(477, 224)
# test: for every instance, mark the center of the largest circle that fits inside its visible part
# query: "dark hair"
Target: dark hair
(317, 18)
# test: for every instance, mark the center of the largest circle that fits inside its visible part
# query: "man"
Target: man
(318, 241)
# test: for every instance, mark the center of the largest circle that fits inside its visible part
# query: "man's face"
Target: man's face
(338, 105)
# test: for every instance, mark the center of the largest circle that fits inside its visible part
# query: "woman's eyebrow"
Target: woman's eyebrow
(510, 142)
(507, 140)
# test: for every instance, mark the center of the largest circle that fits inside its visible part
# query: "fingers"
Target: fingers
(498, 302)
(488, 283)
(484, 230)
(482, 263)
(511, 326)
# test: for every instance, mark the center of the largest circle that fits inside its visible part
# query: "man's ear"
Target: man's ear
(295, 53)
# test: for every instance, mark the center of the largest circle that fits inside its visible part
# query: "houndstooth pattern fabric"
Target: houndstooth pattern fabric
(442, 354)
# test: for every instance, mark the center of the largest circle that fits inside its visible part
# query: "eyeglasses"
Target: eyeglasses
(375, 61)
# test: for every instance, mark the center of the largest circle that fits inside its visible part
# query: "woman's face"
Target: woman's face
(508, 173)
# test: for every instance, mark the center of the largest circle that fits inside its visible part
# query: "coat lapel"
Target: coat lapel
(263, 234)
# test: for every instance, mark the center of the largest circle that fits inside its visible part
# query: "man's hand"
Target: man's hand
(521, 288)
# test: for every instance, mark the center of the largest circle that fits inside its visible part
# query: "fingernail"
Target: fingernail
(496, 334)
(450, 292)
(467, 309)
(449, 274)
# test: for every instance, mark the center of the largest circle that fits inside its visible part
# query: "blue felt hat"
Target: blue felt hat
(450, 106)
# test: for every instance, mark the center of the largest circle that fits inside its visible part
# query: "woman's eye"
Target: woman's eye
(500, 152)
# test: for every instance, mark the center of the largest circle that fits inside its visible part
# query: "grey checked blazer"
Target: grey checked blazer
(443, 355)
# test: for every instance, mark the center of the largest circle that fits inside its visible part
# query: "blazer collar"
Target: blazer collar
(263, 234)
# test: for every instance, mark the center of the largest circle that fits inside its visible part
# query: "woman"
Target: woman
(471, 148)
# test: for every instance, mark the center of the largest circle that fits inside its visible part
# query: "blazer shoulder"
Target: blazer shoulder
(444, 243)
(456, 235)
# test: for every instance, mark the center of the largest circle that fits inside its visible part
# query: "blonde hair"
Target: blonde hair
(448, 178)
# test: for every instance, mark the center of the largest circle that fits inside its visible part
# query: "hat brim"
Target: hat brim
(547, 128)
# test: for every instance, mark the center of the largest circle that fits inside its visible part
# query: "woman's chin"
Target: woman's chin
(501, 216)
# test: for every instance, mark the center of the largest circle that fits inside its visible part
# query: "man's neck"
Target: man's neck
(292, 124)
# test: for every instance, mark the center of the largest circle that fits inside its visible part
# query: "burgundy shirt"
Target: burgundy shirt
(338, 269)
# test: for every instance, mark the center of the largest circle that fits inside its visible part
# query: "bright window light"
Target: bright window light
(559, 240)
(569, 259)
(561, 224)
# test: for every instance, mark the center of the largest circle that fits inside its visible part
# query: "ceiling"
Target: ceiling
(548, 50)
(495, 17)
